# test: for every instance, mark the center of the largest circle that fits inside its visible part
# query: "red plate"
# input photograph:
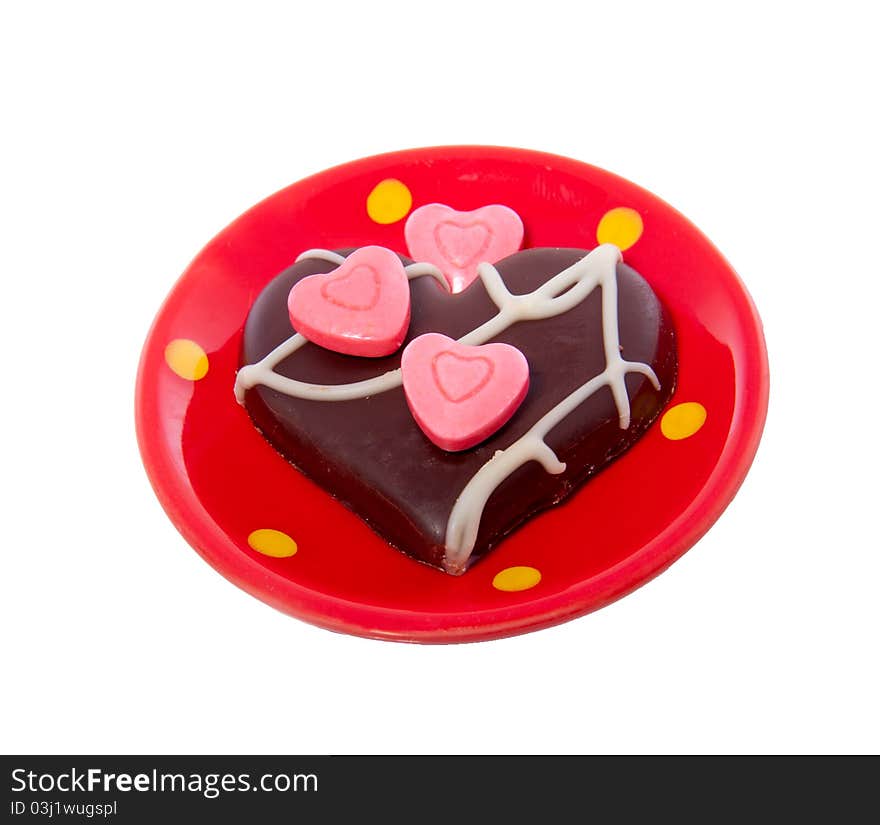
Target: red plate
(219, 481)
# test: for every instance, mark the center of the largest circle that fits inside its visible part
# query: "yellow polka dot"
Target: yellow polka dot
(389, 201)
(513, 579)
(683, 420)
(187, 359)
(621, 226)
(272, 543)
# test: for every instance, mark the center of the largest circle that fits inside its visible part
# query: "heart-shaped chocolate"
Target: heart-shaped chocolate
(602, 364)
(459, 394)
(361, 308)
(457, 242)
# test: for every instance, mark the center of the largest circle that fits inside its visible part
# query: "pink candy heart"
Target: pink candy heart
(361, 308)
(459, 395)
(457, 242)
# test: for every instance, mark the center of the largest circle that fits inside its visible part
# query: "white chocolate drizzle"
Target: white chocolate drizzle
(556, 296)
(467, 512)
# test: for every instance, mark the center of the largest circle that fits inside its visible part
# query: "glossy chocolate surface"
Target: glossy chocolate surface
(370, 454)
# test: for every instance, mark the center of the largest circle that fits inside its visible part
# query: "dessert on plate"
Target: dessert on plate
(449, 394)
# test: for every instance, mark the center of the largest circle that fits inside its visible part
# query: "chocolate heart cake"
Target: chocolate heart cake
(601, 364)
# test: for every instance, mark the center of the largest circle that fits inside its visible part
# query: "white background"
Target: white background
(132, 136)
